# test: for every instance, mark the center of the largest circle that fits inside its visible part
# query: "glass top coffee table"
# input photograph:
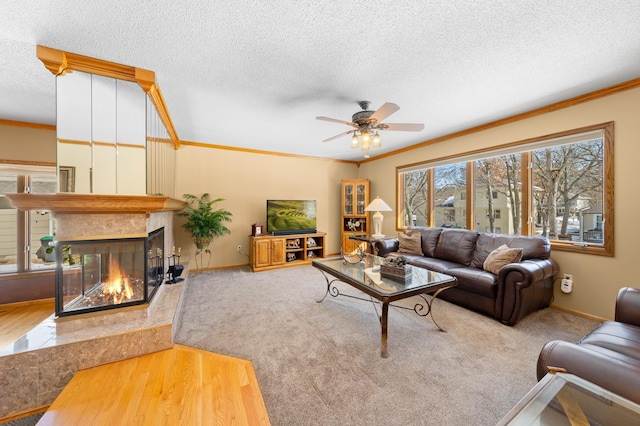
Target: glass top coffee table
(565, 399)
(365, 276)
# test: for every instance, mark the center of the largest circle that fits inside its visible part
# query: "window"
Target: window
(24, 233)
(497, 187)
(413, 189)
(449, 183)
(565, 192)
(569, 197)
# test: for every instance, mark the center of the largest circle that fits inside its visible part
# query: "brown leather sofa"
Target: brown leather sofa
(517, 290)
(609, 356)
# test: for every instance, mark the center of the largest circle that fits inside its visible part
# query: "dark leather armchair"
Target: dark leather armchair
(609, 356)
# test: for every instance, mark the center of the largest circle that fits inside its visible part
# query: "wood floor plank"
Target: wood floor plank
(178, 386)
(16, 320)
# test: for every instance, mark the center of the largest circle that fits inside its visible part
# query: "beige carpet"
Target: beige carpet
(320, 364)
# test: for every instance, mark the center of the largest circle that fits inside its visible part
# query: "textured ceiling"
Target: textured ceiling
(255, 74)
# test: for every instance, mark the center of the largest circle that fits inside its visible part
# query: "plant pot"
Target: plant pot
(202, 243)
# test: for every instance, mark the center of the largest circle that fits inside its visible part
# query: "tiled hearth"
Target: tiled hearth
(36, 367)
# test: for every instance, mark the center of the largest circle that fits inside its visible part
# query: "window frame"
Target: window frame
(524, 148)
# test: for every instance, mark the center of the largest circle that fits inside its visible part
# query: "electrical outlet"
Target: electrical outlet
(568, 277)
(239, 248)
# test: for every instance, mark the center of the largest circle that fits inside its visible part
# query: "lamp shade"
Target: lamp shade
(378, 205)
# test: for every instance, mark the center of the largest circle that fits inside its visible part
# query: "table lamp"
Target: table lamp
(377, 206)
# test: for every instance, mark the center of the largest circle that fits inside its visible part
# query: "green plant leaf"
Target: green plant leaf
(203, 219)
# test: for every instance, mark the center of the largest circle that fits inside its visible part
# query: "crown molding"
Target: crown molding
(39, 126)
(587, 97)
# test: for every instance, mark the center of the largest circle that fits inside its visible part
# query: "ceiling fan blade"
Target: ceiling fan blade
(384, 111)
(338, 136)
(406, 127)
(335, 120)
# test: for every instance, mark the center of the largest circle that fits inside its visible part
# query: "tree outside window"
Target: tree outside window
(413, 186)
(497, 185)
(569, 195)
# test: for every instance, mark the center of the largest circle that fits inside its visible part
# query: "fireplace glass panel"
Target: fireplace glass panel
(155, 261)
(101, 274)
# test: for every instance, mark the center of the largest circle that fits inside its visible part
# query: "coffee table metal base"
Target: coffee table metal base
(423, 310)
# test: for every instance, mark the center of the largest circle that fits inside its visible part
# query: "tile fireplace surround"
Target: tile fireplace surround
(36, 367)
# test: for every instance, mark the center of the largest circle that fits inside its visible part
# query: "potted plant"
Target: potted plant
(204, 222)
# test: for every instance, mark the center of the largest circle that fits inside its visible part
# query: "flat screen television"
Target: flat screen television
(286, 217)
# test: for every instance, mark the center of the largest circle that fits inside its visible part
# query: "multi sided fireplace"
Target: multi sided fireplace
(94, 275)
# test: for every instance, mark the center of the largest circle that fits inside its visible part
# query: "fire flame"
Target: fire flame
(119, 287)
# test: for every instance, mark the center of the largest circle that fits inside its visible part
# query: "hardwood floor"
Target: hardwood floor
(16, 319)
(181, 385)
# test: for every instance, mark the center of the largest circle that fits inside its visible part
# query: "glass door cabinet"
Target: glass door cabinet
(355, 220)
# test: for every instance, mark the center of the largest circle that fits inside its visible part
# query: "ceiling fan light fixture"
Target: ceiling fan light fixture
(366, 125)
(366, 142)
(366, 138)
(376, 143)
(354, 141)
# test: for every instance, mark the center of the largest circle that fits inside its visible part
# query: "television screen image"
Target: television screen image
(291, 216)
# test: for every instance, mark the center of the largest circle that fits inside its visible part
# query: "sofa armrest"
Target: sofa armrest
(602, 367)
(628, 306)
(524, 287)
(385, 247)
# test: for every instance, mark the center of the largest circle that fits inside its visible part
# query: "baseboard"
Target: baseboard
(579, 314)
(216, 268)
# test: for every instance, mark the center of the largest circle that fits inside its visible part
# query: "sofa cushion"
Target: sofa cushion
(476, 281)
(410, 243)
(456, 245)
(500, 257)
(532, 247)
(433, 264)
(429, 238)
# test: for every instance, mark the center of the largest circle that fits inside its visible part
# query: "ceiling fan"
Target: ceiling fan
(368, 123)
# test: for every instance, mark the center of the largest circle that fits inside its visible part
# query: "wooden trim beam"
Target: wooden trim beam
(263, 152)
(155, 94)
(39, 126)
(60, 63)
(92, 203)
(28, 163)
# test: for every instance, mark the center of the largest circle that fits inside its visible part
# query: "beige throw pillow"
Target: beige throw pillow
(410, 243)
(500, 257)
